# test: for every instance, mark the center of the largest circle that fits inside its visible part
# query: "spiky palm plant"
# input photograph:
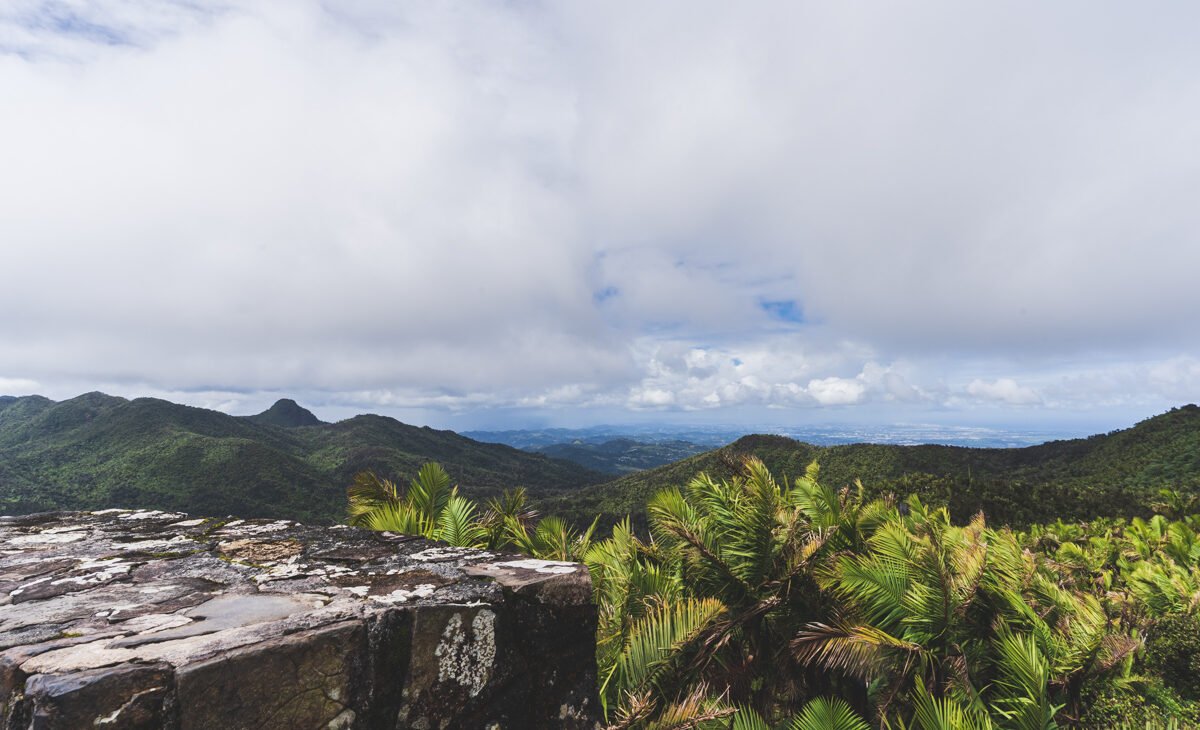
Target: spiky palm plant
(430, 507)
(747, 545)
(965, 616)
(1164, 588)
(551, 538)
(369, 492)
(510, 507)
(821, 713)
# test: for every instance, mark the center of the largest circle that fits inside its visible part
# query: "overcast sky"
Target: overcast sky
(503, 214)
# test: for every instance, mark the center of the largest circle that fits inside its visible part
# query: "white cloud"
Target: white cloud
(513, 205)
(651, 398)
(1005, 390)
(1177, 378)
(836, 391)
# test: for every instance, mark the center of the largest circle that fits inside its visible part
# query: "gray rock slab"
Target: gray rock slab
(148, 619)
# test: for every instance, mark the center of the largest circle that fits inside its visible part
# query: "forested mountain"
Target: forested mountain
(99, 451)
(1118, 473)
(286, 413)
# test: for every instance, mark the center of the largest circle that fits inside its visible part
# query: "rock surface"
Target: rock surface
(128, 619)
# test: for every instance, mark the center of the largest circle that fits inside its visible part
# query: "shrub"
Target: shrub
(1173, 652)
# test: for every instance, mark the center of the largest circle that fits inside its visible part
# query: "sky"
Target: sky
(507, 214)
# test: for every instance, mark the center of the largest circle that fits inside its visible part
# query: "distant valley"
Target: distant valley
(900, 434)
(622, 450)
(622, 456)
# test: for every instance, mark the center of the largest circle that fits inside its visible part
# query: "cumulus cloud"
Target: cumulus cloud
(545, 206)
(793, 374)
(1005, 390)
(836, 391)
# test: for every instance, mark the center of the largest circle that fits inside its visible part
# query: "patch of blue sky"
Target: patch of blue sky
(601, 296)
(52, 28)
(59, 19)
(71, 24)
(784, 310)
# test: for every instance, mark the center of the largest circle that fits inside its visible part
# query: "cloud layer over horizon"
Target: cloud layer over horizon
(534, 210)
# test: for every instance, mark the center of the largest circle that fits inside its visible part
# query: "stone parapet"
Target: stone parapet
(146, 619)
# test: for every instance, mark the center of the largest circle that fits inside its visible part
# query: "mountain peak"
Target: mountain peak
(286, 413)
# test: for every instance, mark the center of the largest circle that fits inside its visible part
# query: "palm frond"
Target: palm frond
(428, 493)
(696, 711)
(747, 719)
(456, 524)
(859, 650)
(945, 713)
(828, 714)
(1022, 688)
(367, 492)
(399, 517)
(659, 639)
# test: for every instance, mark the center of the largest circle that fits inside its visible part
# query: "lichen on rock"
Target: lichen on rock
(145, 619)
(467, 659)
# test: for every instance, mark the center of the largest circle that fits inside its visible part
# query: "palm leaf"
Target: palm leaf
(695, 711)
(859, 650)
(368, 492)
(428, 493)
(945, 713)
(747, 719)
(1023, 683)
(399, 517)
(456, 524)
(659, 640)
(828, 714)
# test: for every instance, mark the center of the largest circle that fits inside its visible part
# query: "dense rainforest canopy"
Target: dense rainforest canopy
(751, 603)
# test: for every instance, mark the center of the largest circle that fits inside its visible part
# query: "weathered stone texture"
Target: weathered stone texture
(127, 619)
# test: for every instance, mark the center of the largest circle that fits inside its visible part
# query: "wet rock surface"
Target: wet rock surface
(146, 619)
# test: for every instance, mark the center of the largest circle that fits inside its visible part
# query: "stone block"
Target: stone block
(145, 619)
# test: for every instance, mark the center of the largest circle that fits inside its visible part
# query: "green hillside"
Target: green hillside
(1111, 474)
(99, 451)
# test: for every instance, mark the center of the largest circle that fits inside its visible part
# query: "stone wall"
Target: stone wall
(128, 619)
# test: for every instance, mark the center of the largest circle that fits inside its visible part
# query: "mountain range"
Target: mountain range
(1118, 473)
(98, 451)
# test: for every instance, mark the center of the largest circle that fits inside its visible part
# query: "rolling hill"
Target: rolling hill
(97, 451)
(1118, 473)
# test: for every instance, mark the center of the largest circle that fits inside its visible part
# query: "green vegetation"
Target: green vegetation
(431, 508)
(98, 451)
(621, 456)
(751, 604)
(1117, 474)
(936, 593)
